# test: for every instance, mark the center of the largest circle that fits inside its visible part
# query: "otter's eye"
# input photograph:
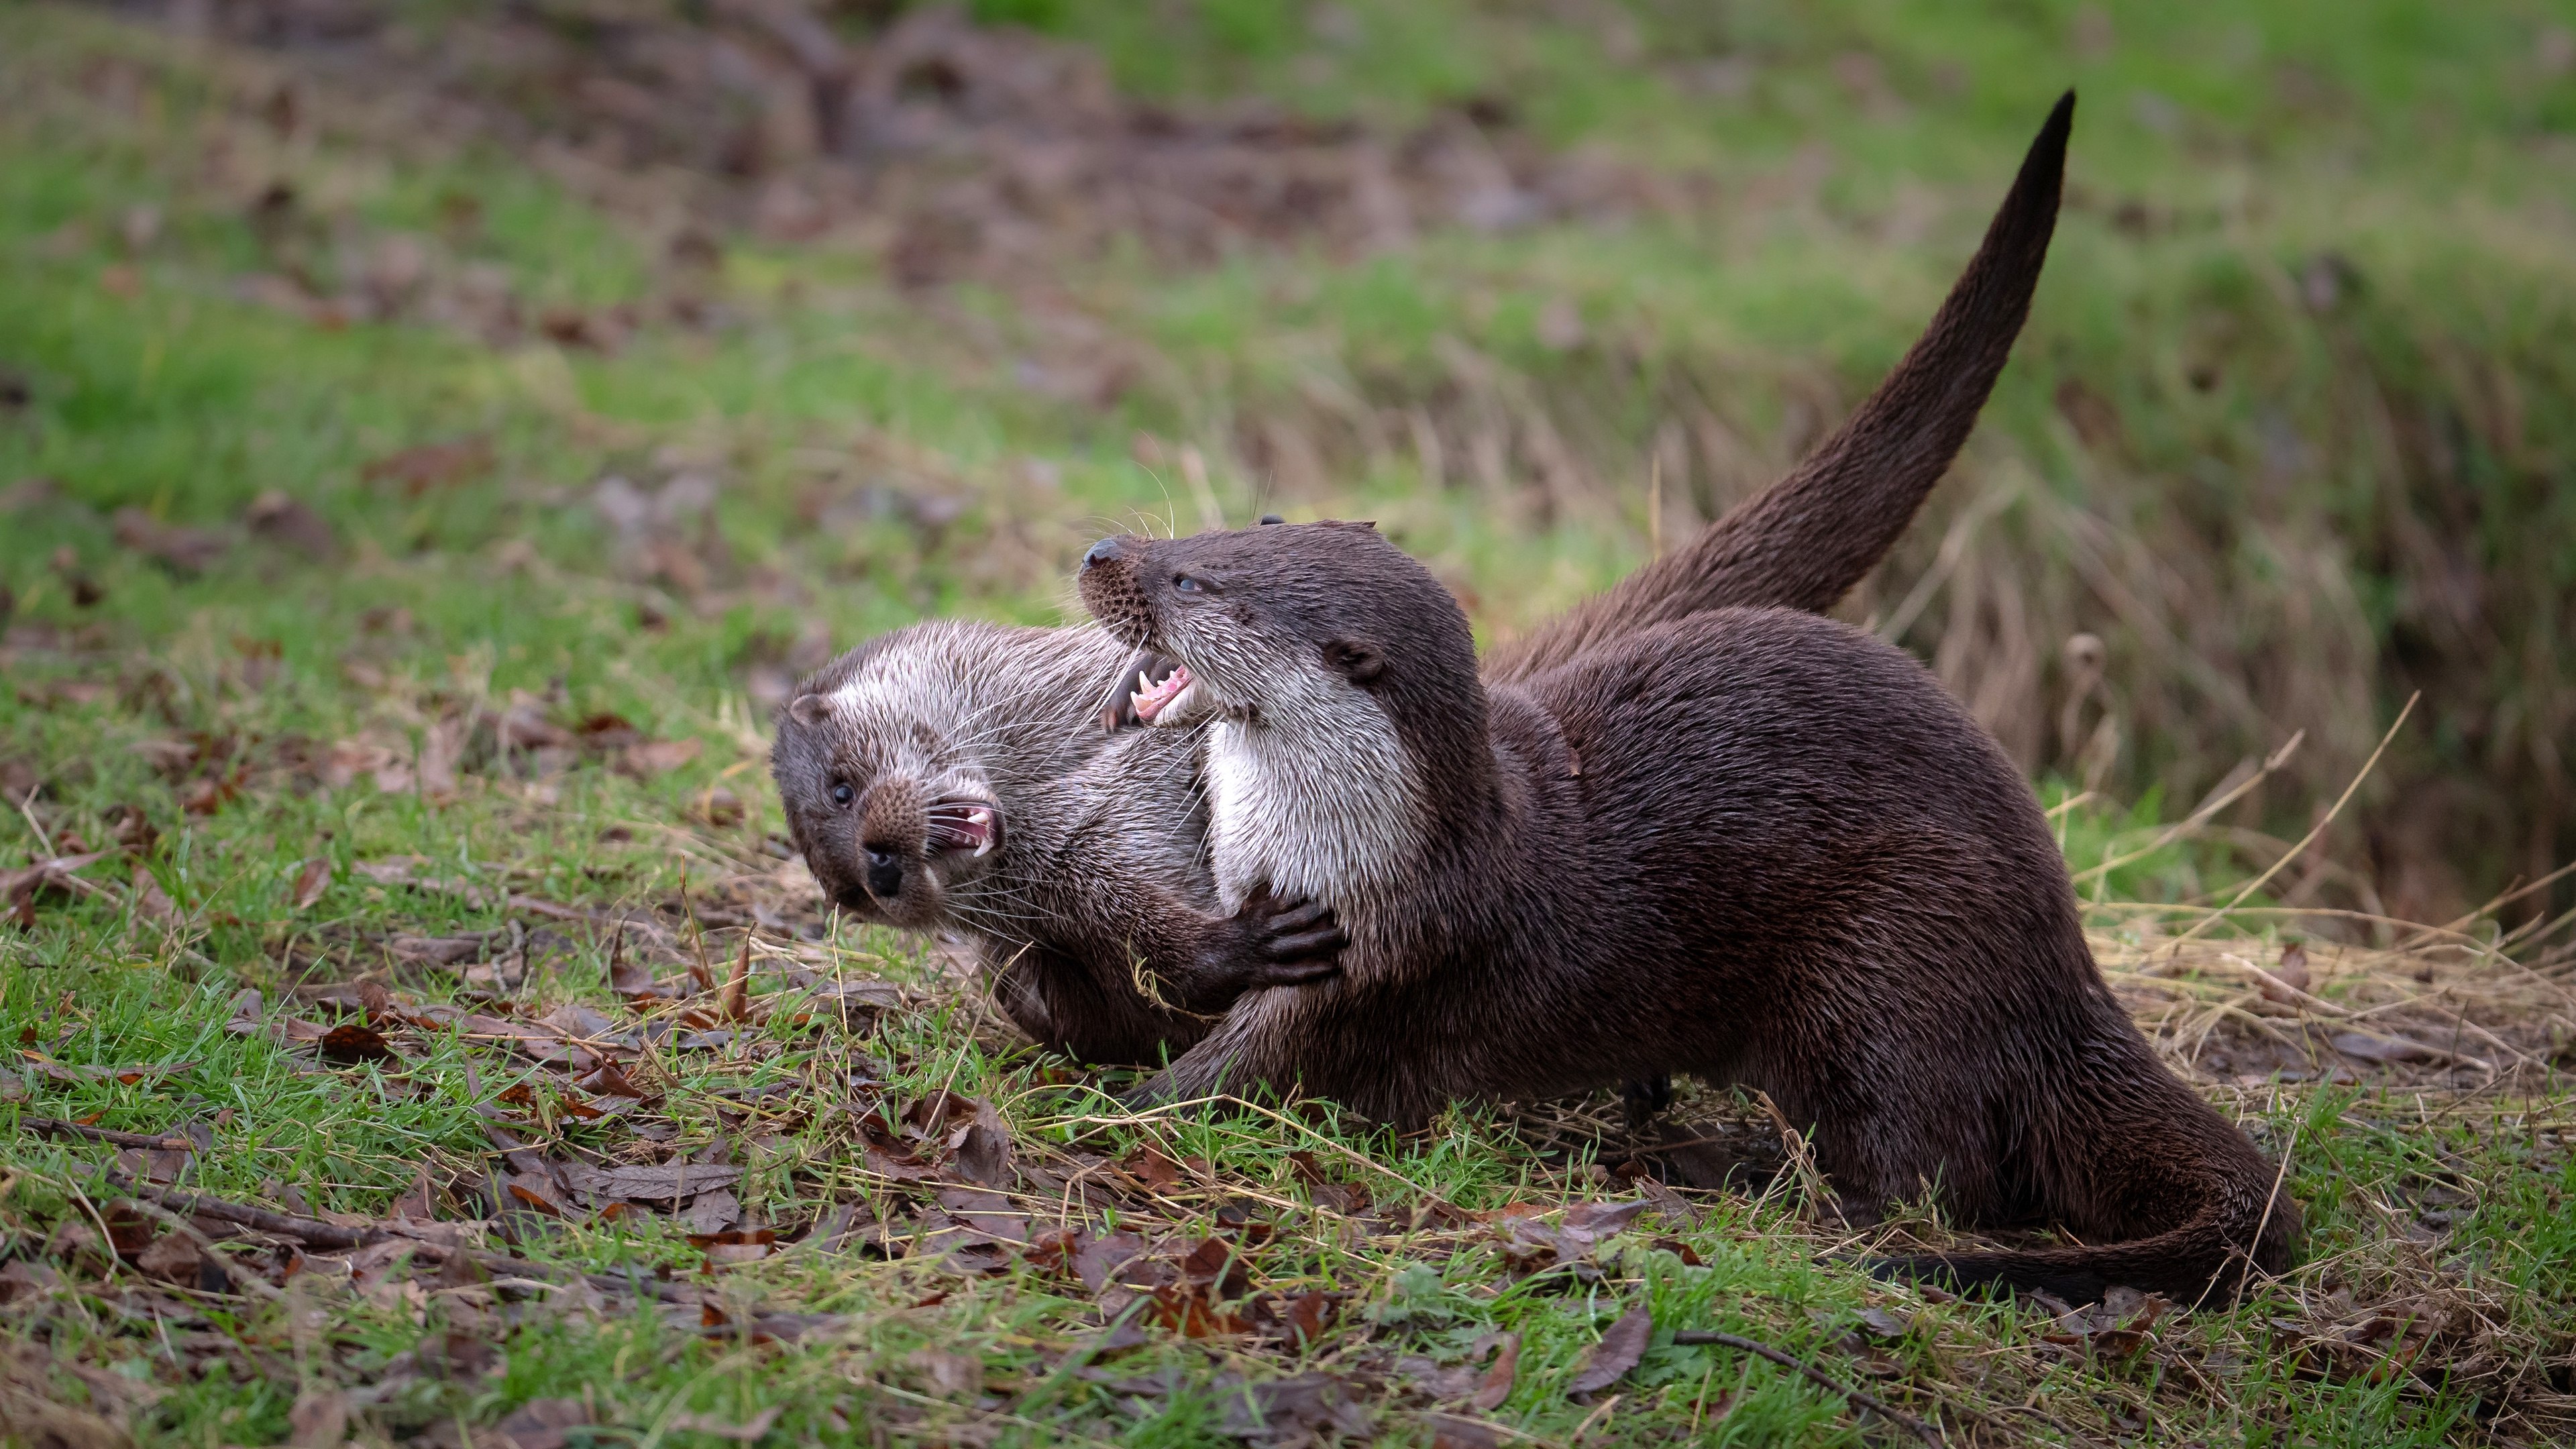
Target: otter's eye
(842, 794)
(1186, 584)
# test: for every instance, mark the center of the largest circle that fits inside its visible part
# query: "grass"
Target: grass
(219, 729)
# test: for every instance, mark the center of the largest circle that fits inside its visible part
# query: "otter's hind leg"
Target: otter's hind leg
(1647, 1099)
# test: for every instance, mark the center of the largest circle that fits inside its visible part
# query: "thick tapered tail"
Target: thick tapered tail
(2192, 1265)
(2245, 1229)
(1806, 540)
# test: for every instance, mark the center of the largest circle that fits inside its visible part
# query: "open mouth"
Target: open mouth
(1152, 697)
(969, 825)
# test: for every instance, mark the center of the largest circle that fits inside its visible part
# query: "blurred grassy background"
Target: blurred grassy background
(384, 383)
(2285, 443)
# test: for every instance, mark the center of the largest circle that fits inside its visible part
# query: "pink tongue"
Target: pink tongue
(1152, 703)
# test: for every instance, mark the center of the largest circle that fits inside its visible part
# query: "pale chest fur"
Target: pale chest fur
(1323, 816)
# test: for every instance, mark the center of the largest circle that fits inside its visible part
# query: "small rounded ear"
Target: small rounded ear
(809, 710)
(1271, 518)
(1358, 660)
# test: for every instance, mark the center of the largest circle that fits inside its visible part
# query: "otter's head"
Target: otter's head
(885, 794)
(1288, 625)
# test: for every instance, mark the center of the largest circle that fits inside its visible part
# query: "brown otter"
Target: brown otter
(886, 758)
(1754, 844)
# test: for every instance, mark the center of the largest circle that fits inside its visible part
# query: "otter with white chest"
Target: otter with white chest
(1753, 845)
(950, 776)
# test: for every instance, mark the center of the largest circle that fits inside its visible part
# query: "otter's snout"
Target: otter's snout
(1112, 592)
(891, 832)
(884, 873)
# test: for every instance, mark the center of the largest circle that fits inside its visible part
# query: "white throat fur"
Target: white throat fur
(1325, 808)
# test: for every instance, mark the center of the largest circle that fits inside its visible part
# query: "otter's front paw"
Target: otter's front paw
(1269, 942)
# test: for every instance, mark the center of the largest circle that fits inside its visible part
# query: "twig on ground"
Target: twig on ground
(247, 1278)
(57, 1127)
(313, 1231)
(1862, 1397)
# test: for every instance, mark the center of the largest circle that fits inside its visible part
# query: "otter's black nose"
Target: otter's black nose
(1105, 551)
(885, 874)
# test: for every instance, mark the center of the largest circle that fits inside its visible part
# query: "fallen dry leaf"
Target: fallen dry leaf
(419, 1203)
(1496, 1385)
(542, 1423)
(1302, 1317)
(1215, 1264)
(281, 518)
(1448, 1432)
(311, 882)
(715, 1426)
(1621, 1345)
(657, 757)
(610, 1080)
(181, 550)
(174, 1256)
(734, 1002)
(1101, 1261)
(1158, 1173)
(1311, 1408)
(319, 1420)
(431, 465)
(712, 1213)
(352, 1043)
(985, 1211)
(538, 1191)
(985, 1156)
(58, 873)
(1186, 1310)
(951, 1375)
(2293, 970)
(669, 1182)
(150, 901)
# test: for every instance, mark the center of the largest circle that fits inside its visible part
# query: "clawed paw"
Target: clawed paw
(1269, 942)
(1301, 940)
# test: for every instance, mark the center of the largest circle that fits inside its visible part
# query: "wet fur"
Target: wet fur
(1104, 834)
(1752, 844)
(1788, 860)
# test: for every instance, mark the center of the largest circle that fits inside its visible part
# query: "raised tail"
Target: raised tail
(1806, 540)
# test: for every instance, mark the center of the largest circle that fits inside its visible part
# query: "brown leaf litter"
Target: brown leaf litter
(585, 1125)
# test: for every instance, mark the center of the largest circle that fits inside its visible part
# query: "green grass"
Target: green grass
(160, 389)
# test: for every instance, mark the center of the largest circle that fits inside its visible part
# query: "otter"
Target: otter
(1755, 845)
(952, 775)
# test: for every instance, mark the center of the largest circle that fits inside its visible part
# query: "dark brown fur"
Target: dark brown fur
(1102, 834)
(1788, 860)
(1753, 845)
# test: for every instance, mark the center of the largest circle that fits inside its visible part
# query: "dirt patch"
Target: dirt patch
(946, 148)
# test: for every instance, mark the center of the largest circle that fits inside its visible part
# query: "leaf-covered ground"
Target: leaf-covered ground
(419, 1034)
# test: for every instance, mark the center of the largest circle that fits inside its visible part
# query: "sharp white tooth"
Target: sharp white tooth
(978, 817)
(985, 846)
(1142, 682)
(1136, 702)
